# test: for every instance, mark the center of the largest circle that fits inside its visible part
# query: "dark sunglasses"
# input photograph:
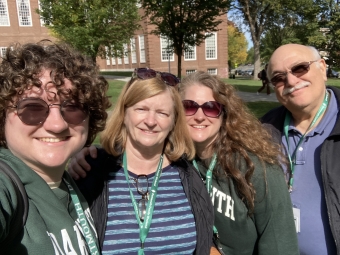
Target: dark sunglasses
(210, 109)
(297, 70)
(146, 73)
(142, 185)
(34, 111)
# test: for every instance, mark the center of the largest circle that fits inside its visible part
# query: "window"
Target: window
(212, 71)
(24, 13)
(113, 58)
(190, 71)
(167, 53)
(126, 54)
(4, 18)
(141, 49)
(190, 53)
(119, 60)
(42, 23)
(133, 51)
(2, 51)
(210, 46)
(107, 53)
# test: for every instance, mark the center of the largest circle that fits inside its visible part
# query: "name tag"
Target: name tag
(296, 212)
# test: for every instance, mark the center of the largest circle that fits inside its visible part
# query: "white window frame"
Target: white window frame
(113, 58)
(107, 56)
(2, 51)
(21, 15)
(126, 53)
(4, 16)
(211, 46)
(164, 41)
(190, 54)
(142, 49)
(42, 23)
(212, 71)
(119, 61)
(187, 72)
(133, 50)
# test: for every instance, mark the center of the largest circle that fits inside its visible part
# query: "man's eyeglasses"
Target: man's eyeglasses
(34, 111)
(142, 185)
(210, 109)
(297, 70)
(146, 73)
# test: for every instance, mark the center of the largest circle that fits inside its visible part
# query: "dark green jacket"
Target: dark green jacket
(50, 227)
(270, 230)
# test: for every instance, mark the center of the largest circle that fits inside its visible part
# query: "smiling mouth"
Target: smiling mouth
(149, 131)
(199, 127)
(52, 140)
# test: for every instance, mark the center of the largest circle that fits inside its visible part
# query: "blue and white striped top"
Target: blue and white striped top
(172, 229)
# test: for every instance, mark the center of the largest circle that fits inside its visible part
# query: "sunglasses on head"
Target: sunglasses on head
(146, 73)
(210, 109)
(34, 111)
(297, 70)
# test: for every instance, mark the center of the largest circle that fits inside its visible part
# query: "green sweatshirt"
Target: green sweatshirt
(270, 230)
(52, 225)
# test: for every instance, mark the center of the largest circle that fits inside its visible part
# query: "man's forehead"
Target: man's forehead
(288, 55)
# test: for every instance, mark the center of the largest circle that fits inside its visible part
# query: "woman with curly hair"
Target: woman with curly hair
(52, 103)
(238, 161)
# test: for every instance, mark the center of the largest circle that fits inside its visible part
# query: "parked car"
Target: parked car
(333, 74)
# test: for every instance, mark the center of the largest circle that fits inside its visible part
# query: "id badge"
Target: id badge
(296, 213)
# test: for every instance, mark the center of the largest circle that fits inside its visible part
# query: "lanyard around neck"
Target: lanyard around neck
(145, 225)
(90, 240)
(292, 158)
(208, 174)
(208, 184)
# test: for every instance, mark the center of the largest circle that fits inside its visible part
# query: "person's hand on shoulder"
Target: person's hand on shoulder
(78, 165)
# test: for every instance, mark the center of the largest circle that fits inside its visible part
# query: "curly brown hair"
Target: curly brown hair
(241, 134)
(22, 66)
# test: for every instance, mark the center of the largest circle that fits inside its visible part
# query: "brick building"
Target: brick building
(19, 22)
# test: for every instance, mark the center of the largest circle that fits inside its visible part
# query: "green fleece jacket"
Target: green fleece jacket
(51, 226)
(270, 230)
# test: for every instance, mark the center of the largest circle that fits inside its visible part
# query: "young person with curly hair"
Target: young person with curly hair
(52, 103)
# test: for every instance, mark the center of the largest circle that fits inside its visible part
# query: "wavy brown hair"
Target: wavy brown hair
(241, 133)
(22, 66)
(178, 141)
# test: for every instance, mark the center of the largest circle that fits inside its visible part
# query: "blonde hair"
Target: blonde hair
(178, 141)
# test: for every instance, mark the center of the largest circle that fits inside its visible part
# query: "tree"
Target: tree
(261, 16)
(237, 46)
(92, 25)
(185, 23)
(250, 56)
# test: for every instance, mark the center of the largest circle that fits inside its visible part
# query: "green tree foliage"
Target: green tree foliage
(237, 46)
(91, 25)
(185, 23)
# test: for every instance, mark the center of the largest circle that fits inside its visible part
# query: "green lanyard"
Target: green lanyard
(145, 225)
(292, 158)
(90, 240)
(208, 179)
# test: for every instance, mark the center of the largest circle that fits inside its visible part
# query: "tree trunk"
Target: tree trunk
(257, 58)
(179, 65)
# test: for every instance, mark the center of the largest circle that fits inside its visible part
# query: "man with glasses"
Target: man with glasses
(307, 127)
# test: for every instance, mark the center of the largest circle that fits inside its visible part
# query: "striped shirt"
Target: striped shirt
(172, 229)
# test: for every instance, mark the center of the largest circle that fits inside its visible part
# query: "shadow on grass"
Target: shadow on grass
(260, 108)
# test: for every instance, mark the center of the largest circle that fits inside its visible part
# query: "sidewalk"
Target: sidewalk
(246, 96)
